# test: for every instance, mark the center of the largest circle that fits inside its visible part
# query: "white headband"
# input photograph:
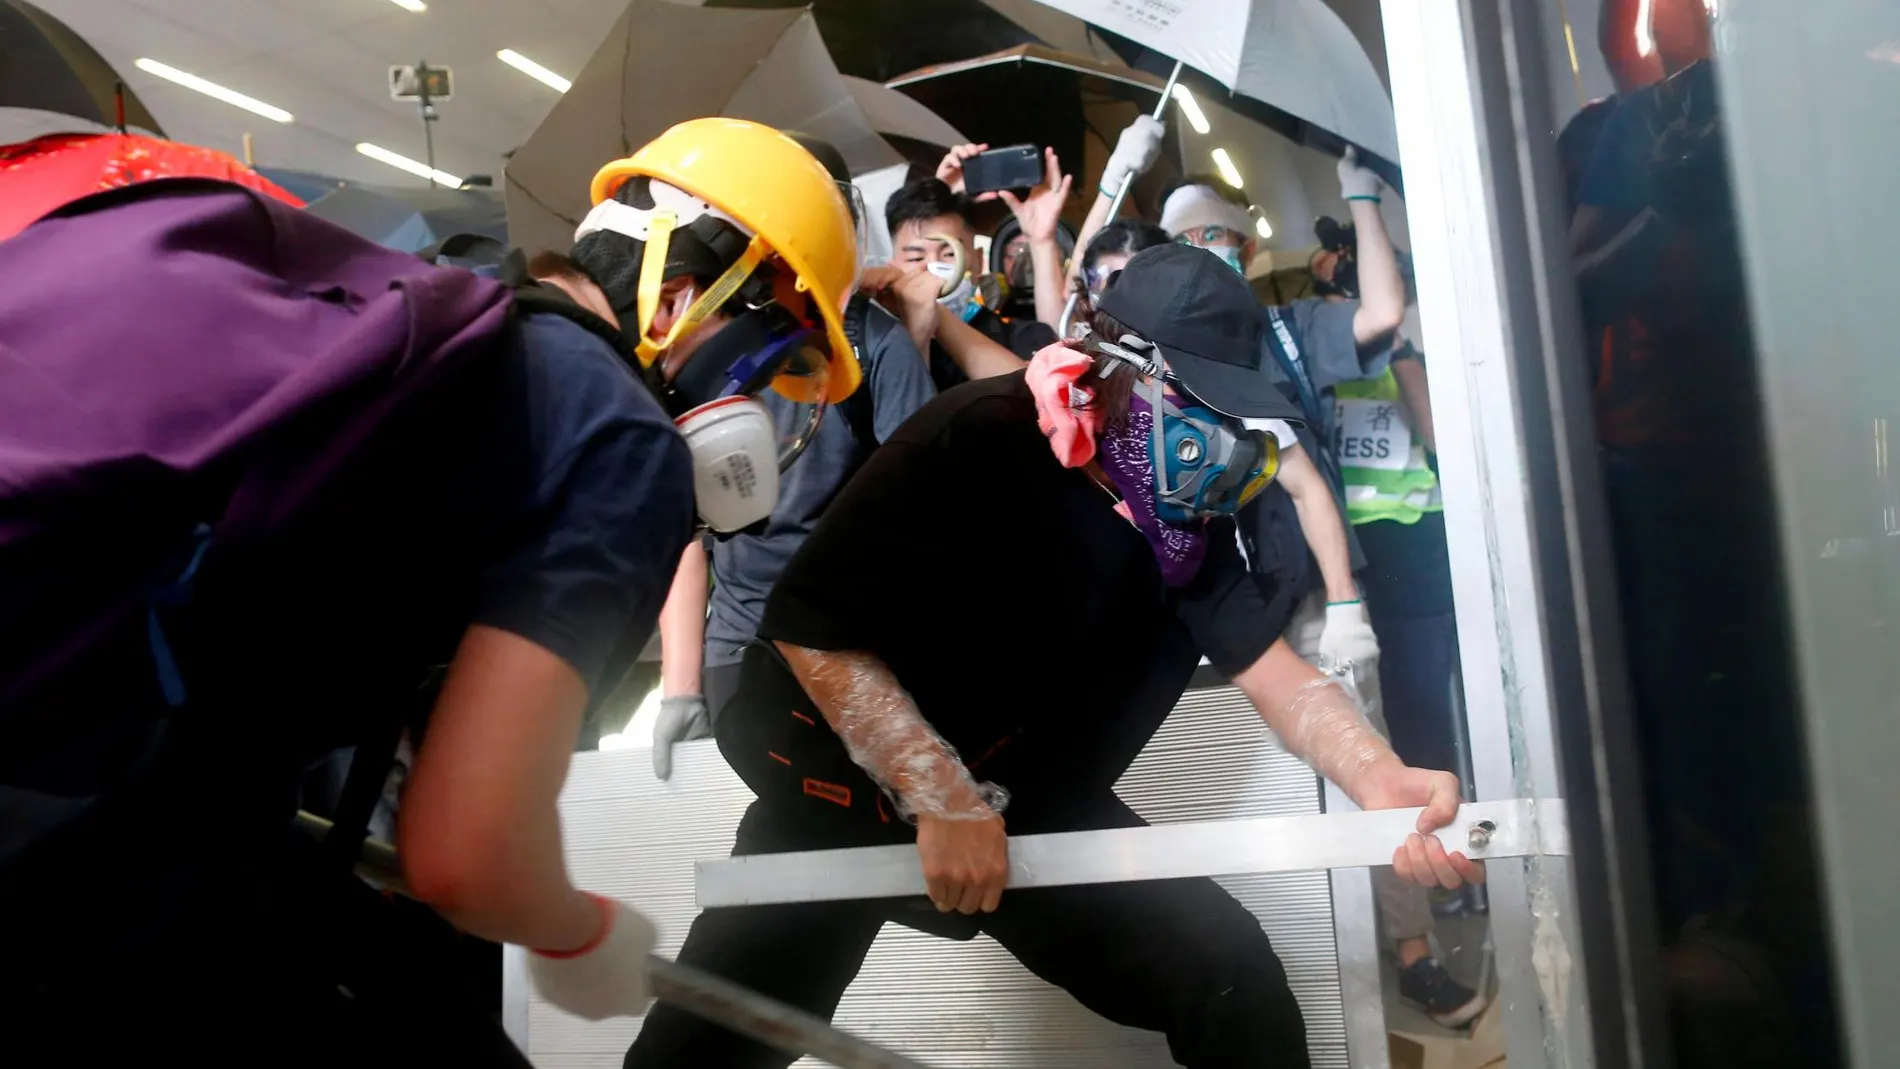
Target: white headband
(1196, 206)
(629, 221)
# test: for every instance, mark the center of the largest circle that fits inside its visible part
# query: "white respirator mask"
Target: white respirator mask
(735, 449)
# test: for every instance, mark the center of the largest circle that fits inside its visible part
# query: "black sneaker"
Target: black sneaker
(1445, 1000)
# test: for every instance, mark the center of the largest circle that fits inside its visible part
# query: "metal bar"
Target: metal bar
(769, 1022)
(1115, 204)
(1515, 828)
(728, 1004)
(1161, 108)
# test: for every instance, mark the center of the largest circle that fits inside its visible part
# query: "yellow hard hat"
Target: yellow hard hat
(778, 191)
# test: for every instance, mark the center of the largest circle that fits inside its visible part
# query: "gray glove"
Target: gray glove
(682, 718)
(1355, 181)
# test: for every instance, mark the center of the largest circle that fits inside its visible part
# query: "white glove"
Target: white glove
(682, 719)
(1135, 151)
(605, 979)
(1356, 182)
(1347, 639)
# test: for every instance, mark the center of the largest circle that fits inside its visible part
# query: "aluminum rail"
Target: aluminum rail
(701, 993)
(1483, 831)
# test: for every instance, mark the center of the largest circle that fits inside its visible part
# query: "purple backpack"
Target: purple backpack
(185, 368)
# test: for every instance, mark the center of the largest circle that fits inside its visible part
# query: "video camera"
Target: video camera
(1341, 239)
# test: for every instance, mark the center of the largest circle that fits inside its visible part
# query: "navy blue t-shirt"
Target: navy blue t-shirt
(607, 508)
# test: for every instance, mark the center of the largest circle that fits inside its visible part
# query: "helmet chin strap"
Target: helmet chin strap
(652, 271)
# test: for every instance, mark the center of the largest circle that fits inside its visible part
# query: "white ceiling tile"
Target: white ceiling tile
(326, 62)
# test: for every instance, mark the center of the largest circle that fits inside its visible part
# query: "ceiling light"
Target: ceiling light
(404, 163)
(1262, 227)
(212, 89)
(411, 5)
(534, 70)
(1190, 108)
(1228, 172)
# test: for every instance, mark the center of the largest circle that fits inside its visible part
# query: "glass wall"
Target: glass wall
(1672, 219)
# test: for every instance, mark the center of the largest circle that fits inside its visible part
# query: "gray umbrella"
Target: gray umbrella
(769, 66)
(45, 66)
(412, 219)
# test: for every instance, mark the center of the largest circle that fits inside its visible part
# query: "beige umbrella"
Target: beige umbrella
(769, 66)
(895, 115)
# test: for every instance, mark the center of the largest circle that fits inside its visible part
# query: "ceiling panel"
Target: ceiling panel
(326, 62)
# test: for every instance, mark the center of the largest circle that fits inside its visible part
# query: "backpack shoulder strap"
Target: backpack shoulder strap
(478, 248)
(533, 298)
(856, 408)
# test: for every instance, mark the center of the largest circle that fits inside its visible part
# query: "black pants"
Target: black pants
(1180, 957)
(156, 952)
(719, 682)
(1408, 593)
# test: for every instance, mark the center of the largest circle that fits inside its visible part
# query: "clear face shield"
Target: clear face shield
(957, 287)
(854, 200)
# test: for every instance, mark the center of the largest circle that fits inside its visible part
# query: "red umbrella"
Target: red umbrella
(38, 176)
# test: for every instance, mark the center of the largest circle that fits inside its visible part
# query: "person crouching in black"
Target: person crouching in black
(881, 713)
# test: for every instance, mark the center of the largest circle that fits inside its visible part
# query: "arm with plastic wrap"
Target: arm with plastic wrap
(960, 837)
(1317, 717)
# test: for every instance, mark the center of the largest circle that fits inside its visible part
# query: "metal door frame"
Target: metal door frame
(1546, 691)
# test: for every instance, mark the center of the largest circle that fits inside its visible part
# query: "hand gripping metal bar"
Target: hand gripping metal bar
(1482, 830)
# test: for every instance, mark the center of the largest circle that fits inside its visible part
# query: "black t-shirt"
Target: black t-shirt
(1024, 337)
(1003, 589)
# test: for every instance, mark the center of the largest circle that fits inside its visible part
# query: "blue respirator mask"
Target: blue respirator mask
(1206, 464)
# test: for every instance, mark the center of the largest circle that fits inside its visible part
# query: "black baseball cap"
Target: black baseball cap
(1207, 323)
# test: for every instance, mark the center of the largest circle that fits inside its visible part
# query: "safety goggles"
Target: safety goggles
(1210, 236)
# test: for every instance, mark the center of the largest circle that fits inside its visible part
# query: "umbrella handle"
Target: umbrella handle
(1161, 108)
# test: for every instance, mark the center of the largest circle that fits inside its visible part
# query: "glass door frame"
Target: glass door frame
(1548, 704)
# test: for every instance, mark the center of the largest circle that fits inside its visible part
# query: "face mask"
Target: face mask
(747, 403)
(1231, 256)
(734, 446)
(1179, 548)
(1205, 465)
(958, 299)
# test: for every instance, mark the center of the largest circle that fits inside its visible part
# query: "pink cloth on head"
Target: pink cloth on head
(1062, 407)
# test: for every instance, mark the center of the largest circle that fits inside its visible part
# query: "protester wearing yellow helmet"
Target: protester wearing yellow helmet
(727, 253)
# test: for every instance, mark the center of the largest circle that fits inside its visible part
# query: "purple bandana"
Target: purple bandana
(1124, 456)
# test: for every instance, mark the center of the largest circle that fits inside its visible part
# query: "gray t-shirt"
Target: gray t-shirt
(746, 566)
(1321, 331)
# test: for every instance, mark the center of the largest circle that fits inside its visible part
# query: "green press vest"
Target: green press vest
(1380, 457)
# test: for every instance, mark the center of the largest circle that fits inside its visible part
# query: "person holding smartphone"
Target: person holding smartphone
(932, 233)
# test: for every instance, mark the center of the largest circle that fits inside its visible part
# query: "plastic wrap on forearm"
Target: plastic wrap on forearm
(1326, 726)
(889, 738)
